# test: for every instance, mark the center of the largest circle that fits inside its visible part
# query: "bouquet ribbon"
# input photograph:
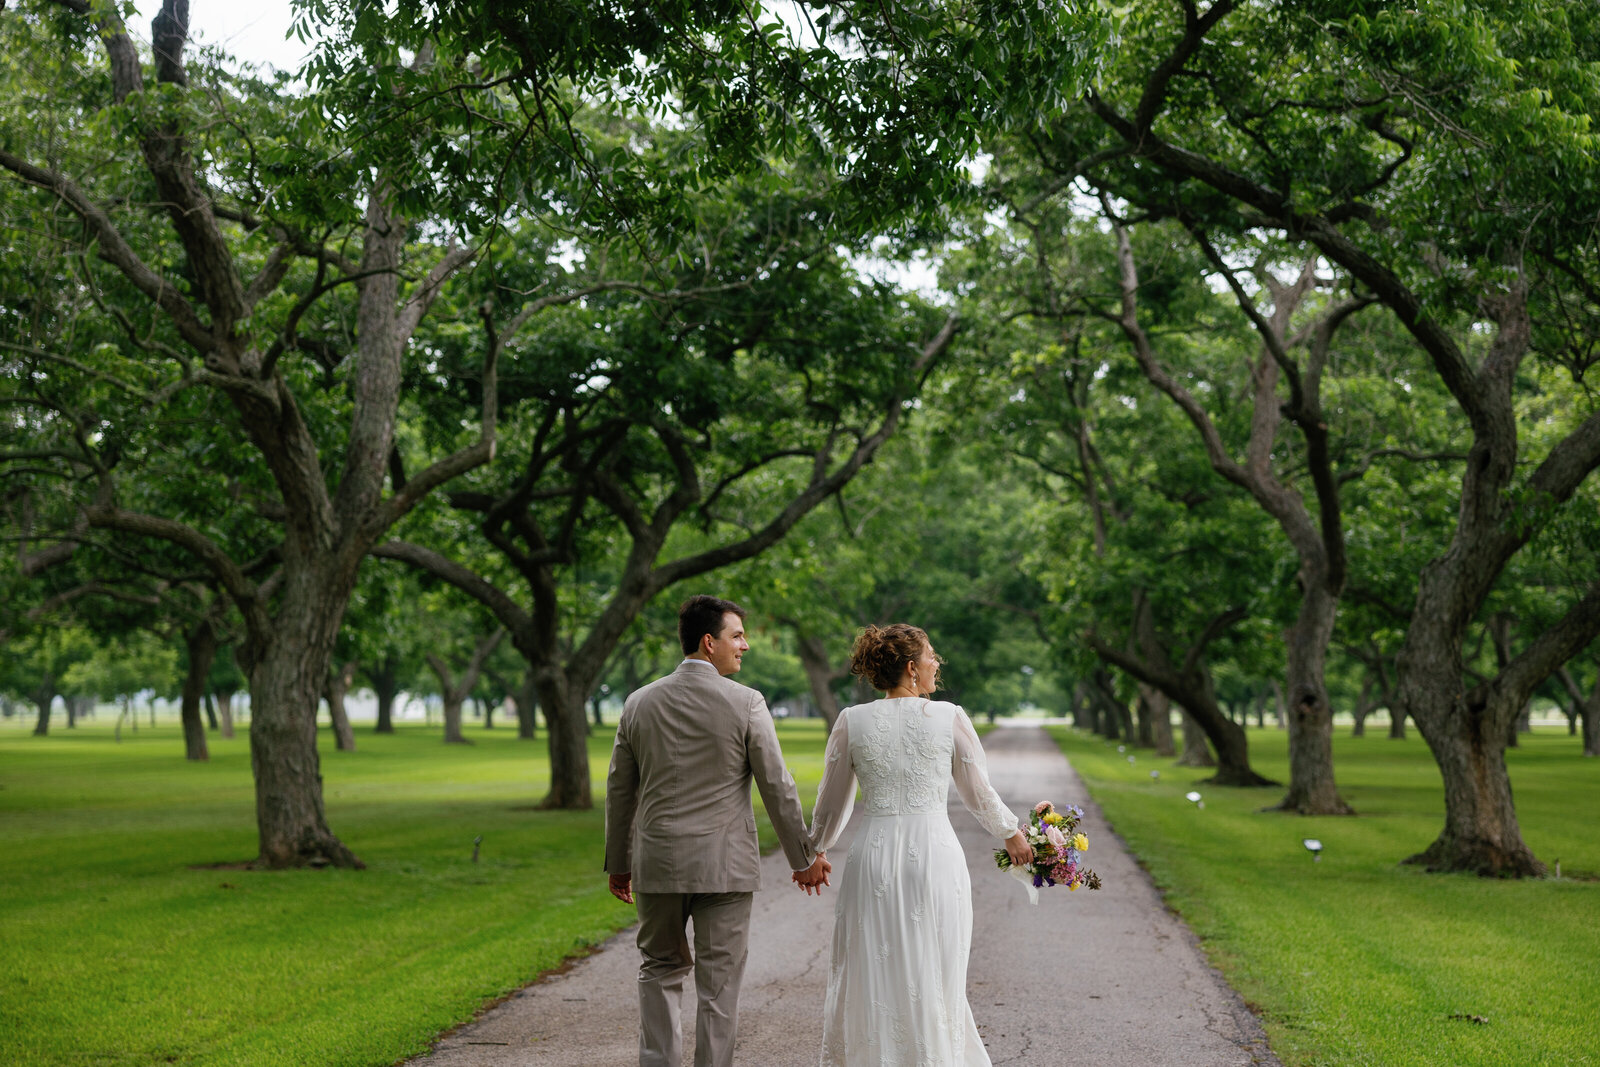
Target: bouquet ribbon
(1027, 883)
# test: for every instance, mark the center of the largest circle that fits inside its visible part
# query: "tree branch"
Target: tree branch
(115, 250)
(510, 614)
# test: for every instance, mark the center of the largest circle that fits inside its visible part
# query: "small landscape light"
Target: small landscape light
(1155, 774)
(1194, 798)
(1314, 847)
(1130, 759)
(1122, 748)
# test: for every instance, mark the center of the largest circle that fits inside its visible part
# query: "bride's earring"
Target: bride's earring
(915, 688)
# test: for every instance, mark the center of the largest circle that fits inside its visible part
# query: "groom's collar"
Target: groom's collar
(693, 664)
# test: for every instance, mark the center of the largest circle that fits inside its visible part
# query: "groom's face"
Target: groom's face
(727, 649)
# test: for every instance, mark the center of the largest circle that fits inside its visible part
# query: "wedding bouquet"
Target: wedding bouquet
(1058, 849)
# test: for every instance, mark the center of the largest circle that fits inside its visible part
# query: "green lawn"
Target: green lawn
(1355, 960)
(116, 951)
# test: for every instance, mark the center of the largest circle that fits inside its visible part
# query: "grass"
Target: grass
(116, 950)
(1356, 960)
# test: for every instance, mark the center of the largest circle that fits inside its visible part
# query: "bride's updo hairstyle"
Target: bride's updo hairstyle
(881, 653)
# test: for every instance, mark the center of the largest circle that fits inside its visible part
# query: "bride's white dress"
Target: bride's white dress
(897, 990)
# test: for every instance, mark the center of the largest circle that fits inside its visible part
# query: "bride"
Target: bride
(903, 924)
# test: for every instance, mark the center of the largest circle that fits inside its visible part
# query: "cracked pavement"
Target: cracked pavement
(1108, 977)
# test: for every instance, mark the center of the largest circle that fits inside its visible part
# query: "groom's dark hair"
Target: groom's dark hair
(701, 615)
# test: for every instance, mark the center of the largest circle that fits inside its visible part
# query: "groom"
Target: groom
(681, 835)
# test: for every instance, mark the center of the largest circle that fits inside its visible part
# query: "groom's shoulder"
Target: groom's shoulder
(694, 686)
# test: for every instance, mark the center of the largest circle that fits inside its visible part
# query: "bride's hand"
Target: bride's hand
(1019, 850)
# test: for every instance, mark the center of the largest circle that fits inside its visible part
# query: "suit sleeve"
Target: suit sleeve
(778, 792)
(622, 800)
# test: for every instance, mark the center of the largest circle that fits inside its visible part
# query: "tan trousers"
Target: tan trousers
(721, 946)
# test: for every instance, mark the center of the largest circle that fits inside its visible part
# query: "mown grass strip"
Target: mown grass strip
(1354, 960)
(120, 947)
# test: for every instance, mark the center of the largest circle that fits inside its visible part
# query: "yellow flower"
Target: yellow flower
(1055, 820)
(1080, 842)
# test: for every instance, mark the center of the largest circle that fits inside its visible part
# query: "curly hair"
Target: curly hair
(881, 653)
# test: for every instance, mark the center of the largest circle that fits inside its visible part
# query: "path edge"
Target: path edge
(1245, 1017)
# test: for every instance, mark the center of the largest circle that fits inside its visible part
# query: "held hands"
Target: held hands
(814, 877)
(1019, 850)
(622, 887)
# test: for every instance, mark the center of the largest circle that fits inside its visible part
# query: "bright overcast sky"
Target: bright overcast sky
(253, 30)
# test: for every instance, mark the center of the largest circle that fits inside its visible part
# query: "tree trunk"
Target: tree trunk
(211, 712)
(1468, 741)
(1280, 710)
(385, 680)
(454, 691)
(1142, 726)
(1160, 717)
(338, 685)
(820, 675)
(1585, 709)
(1481, 833)
(44, 696)
(1108, 717)
(1365, 704)
(452, 719)
(286, 683)
(1500, 625)
(1359, 728)
(486, 711)
(1093, 712)
(1080, 707)
(570, 786)
(450, 697)
(1196, 752)
(225, 713)
(201, 643)
(528, 708)
(1311, 785)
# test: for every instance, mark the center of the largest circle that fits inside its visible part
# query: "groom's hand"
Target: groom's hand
(814, 877)
(622, 887)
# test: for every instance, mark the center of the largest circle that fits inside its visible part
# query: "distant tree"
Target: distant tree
(39, 665)
(119, 672)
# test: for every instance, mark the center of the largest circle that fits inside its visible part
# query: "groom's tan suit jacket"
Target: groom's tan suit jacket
(678, 813)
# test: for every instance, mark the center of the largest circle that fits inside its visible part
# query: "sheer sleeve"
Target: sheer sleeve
(970, 773)
(836, 796)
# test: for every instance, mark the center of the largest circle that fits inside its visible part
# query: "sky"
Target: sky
(253, 30)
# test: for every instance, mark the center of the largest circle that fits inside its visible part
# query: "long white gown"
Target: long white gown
(897, 989)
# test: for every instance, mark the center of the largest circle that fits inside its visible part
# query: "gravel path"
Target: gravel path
(1128, 973)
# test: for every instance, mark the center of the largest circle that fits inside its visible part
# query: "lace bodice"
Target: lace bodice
(906, 753)
(901, 756)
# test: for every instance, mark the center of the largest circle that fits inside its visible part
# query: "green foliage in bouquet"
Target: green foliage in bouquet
(1058, 848)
